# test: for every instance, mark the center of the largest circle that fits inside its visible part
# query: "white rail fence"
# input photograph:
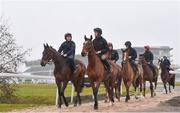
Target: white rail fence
(37, 77)
(50, 78)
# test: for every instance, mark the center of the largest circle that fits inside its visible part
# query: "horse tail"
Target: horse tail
(137, 81)
(83, 77)
(172, 80)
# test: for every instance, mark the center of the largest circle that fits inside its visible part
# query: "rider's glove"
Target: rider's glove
(98, 52)
(65, 55)
(130, 57)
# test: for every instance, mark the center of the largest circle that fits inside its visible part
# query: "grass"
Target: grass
(176, 84)
(33, 95)
(9, 107)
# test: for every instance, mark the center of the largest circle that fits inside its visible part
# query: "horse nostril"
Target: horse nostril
(82, 54)
(42, 64)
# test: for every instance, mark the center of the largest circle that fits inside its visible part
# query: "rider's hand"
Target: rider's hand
(62, 53)
(130, 56)
(65, 55)
(98, 52)
(148, 62)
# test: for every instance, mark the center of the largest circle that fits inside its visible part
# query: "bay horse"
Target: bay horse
(148, 74)
(96, 71)
(63, 73)
(128, 74)
(166, 77)
(117, 87)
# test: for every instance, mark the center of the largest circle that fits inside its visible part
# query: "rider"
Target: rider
(101, 47)
(149, 57)
(166, 62)
(114, 56)
(67, 49)
(132, 54)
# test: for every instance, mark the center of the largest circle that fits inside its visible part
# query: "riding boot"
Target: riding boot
(108, 66)
(153, 69)
(134, 66)
(73, 68)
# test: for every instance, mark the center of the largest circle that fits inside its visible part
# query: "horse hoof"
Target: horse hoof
(111, 104)
(154, 94)
(67, 104)
(95, 107)
(75, 105)
(105, 101)
(126, 100)
(59, 106)
(136, 97)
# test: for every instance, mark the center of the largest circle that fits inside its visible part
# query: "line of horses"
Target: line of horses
(97, 74)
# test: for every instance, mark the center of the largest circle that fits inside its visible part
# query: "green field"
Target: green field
(33, 95)
(176, 84)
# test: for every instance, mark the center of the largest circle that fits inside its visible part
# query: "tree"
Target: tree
(11, 56)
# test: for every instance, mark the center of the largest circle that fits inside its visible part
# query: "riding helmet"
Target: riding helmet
(98, 30)
(128, 43)
(110, 44)
(67, 34)
(147, 47)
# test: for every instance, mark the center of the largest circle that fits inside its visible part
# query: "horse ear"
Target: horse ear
(85, 38)
(44, 46)
(91, 37)
(47, 45)
(122, 50)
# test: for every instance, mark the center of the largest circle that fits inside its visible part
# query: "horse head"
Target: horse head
(47, 54)
(141, 59)
(125, 55)
(87, 45)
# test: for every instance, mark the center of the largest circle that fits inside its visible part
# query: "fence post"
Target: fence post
(72, 92)
(57, 97)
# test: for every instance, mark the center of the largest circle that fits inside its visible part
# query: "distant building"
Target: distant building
(34, 67)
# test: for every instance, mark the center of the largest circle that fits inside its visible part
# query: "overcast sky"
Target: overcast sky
(153, 22)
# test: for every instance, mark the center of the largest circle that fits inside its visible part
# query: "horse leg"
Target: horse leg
(76, 98)
(106, 97)
(169, 88)
(135, 92)
(119, 88)
(127, 91)
(62, 92)
(106, 83)
(95, 87)
(165, 87)
(140, 89)
(144, 88)
(59, 94)
(116, 92)
(151, 88)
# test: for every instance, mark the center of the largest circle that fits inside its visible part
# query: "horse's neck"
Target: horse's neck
(92, 58)
(58, 59)
(127, 65)
(163, 69)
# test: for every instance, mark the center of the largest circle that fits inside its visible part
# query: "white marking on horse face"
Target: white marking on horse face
(125, 56)
(85, 42)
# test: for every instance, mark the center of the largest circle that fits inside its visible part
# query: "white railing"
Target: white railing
(37, 77)
(52, 78)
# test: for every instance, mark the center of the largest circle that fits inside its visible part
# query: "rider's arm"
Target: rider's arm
(134, 54)
(61, 48)
(106, 49)
(116, 55)
(71, 51)
(151, 57)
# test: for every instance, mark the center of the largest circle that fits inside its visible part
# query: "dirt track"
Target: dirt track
(145, 104)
